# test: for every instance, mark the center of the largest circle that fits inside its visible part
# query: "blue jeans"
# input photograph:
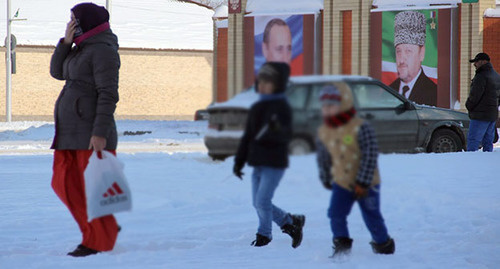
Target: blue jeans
(341, 204)
(481, 133)
(265, 180)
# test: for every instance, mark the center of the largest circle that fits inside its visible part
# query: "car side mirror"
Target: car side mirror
(404, 107)
(408, 106)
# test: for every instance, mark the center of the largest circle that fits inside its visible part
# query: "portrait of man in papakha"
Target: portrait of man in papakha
(409, 54)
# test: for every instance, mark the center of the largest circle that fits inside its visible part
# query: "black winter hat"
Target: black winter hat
(276, 72)
(90, 15)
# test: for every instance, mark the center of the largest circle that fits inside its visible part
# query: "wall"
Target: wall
(332, 36)
(471, 42)
(491, 40)
(221, 72)
(153, 84)
(346, 42)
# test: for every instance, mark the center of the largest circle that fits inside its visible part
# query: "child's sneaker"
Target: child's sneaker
(341, 247)
(388, 247)
(295, 229)
(261, 241)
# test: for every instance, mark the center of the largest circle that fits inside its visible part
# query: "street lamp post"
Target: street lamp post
(108, 7)
(8, 62)
(9, 46)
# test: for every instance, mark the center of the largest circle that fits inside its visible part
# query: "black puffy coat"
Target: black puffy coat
(483, 100)
(87, 102)
(267, 135)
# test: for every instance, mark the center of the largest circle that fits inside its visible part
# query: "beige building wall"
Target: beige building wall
(471, 42)
(332, 36)
(153, 84)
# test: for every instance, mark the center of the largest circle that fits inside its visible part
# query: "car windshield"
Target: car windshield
(373, 96)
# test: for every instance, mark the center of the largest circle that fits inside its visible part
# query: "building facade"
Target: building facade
(359, 38)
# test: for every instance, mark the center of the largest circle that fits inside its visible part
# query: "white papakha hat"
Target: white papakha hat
(409, 28)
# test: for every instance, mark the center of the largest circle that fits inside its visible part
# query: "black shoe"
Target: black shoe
(119, 228)
(341, 246)
(388, 247)
(82, 251)
(261, 241)
(295, 229)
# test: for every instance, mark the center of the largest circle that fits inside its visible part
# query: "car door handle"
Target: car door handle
(368, 116)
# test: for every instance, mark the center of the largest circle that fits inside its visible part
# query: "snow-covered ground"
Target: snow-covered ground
(134, 136)
(159, 24)
(189, 212)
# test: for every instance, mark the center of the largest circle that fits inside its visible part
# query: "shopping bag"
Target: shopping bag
(106, 187)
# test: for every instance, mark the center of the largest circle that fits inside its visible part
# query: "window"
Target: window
(297, 96)
(372, 96)
(314, 102)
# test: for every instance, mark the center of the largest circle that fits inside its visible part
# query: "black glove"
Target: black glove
(237, 170)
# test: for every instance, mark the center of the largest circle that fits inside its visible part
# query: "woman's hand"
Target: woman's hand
(70, 32)
(97, 143)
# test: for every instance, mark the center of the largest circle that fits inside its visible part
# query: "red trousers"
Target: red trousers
(68, 183)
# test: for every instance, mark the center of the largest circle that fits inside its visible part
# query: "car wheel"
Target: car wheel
(445, 140)
(218, 157)
(299, 146)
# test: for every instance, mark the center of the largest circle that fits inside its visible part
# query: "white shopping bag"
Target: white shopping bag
(106, 188)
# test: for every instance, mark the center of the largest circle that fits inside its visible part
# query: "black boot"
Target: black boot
(261, 241)
(341, 246)
(295, 229)
(82, 251)
(299, 220)
(388, 247)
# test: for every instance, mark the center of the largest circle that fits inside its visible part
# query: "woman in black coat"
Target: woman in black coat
(264, 146)
(83, 116)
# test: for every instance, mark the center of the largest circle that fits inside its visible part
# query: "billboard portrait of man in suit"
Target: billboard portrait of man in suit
(279, 38)
(277, 42)
(409, 44)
